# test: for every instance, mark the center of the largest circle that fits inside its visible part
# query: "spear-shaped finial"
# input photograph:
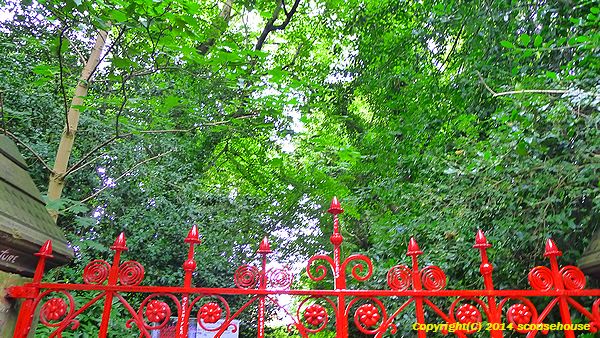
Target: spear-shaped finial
(413, 248)
(335, 208)
(264, 247)
(551, 249)
(120, 243)
(45, 250)
(193, 237)
(480, 241)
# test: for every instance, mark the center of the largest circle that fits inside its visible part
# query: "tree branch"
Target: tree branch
(270, 25)
(522, 91)
(462, 27)
(77, 165)
(123, 102)
(210, 124)
(14, 137)
(125, 174)
(74, 169)
(104, 36)
(81, 164)
(288, 15)
(81, 57)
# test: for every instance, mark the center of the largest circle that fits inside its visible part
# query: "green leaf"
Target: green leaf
(85, 222)
(55, 204)
(521, 148)
(507, 44)
(78, 208)
(45, 70)
(551, 75)
(170, 102)
(94, 245)
(595, 10)
(524, 40)
(276, 162)
(537, 41)
(120, 62)
(118, 16)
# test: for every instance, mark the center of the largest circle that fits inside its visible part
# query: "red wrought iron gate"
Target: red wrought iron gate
(487, 310)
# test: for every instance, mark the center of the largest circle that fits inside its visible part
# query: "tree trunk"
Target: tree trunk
(57, 177)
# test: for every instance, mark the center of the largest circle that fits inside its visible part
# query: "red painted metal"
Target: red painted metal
(370, 311)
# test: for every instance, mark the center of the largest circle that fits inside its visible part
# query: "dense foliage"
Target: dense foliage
(428, 119)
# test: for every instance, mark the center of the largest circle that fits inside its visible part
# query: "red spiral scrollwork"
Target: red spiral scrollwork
(316, 315)
(573, 278)
(540, 278)
(320, 269)
(96, 272)
(468, 314)
(131, 273)
(157, 311)
(280, 278)
(246, 277)
(210, 313)
(362, 268)
(54, 309)
(433, 278)
(399, 277)
(368, 315)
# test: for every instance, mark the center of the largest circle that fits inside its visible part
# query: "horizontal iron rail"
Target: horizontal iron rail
(324, 293)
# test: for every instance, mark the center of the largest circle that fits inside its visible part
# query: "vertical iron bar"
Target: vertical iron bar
(23, 325)
(413, 251)
(113, 277)
(188, 267)
(486, 269)
(339, 282)
(552, 252)
(263, 249)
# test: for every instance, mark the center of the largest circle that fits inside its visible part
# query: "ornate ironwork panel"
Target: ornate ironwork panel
(418, 289)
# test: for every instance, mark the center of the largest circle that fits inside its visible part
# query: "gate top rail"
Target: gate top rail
(485, 309)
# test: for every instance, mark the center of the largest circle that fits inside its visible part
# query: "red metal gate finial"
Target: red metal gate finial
(551, 249)
(264, 247)
(335, 207)
(45, 250)
(193, 237)
(480, 241)
(413, 248)
(120, 243)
